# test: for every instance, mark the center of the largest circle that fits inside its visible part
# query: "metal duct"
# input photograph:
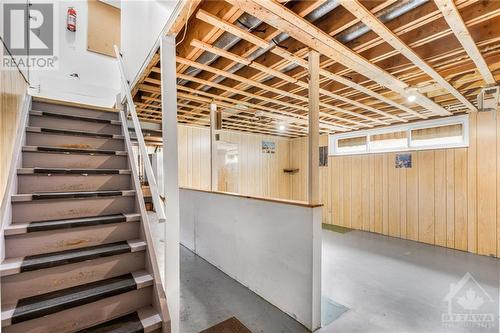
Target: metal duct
(390, 13)
(246, 21)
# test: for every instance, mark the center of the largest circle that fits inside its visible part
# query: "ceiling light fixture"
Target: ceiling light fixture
(411, 95)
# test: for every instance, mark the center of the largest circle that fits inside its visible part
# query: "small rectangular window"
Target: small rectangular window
(357, 144)
(390, 140)
(439, 133)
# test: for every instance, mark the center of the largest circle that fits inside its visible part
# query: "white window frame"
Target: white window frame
(455, 120)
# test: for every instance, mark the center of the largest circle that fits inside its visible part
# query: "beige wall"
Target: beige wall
(448, 198)
(12, 91)
(259, 174)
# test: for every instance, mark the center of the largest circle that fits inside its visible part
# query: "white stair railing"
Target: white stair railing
(153, 185)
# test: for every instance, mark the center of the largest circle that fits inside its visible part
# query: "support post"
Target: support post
(214, 170)
(170, 178)
(313, 137)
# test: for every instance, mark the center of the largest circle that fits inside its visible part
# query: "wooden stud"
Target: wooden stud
(313, 134)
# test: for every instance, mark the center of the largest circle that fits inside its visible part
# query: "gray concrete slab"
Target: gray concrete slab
(394, 285)
(372, 283)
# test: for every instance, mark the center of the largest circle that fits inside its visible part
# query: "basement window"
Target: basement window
(355, 144)
(450, 132)
(439, 135)
(389, 140)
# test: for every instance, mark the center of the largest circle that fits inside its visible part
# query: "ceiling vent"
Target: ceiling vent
(487, 100)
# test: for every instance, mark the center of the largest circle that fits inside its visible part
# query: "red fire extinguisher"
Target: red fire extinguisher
(71, 19)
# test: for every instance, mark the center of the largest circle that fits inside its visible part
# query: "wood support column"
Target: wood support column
(171, 276)
(313, 151)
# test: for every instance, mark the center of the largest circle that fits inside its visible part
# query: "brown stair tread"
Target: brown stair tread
(64, 150)
(75, 117)
(54, 259)
(56, 301)
(144, 320)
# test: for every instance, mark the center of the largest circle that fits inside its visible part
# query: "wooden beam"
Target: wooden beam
(288, 94)
(262, 98)
(367, 17)
(305, 32)
(231, 28)
(235, 30)
(334, 77)
(452, 16)
(268, 112)
(285, 77)
(313, 130)
(188, 8)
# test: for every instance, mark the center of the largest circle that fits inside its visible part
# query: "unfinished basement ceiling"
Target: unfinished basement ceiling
(373, 55)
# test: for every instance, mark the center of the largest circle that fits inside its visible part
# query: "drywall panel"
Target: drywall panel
(81, 76)
(272, 248)
(141, 25)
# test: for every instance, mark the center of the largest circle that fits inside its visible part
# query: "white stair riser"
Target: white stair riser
(74, 124)
(69, 183)
(56, 209)
(73, 141)
(69, 239)
(75, 111)
(75, 161)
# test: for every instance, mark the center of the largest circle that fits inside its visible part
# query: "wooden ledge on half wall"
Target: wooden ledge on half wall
(281, 201)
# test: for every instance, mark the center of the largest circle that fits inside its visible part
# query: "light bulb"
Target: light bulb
(412, 98)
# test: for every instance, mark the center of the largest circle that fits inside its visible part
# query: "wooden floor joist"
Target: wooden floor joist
(235, 53)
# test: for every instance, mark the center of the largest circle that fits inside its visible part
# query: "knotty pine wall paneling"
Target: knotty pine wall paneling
(448, 198)
(12, 92)
(259, 174)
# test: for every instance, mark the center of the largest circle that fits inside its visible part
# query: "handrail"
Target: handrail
(153, 186)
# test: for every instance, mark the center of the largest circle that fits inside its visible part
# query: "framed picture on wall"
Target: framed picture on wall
(268, 147)
(403, 161)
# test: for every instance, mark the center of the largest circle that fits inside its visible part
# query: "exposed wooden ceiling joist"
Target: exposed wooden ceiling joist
(302, 30)
(360, 11)
(259, 76)
(452, 16)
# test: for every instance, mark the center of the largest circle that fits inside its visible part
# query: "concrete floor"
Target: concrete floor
(375, 283)
(393, 285)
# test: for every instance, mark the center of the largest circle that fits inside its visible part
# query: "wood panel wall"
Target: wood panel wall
(12, 92)
(259, 174)
(448, 198)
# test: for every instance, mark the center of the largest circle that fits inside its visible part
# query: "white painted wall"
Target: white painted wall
(141, 25)
(272, 248)
(98, 81)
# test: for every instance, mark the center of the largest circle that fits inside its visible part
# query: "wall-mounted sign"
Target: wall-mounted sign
(268, 147)
(403, 160)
